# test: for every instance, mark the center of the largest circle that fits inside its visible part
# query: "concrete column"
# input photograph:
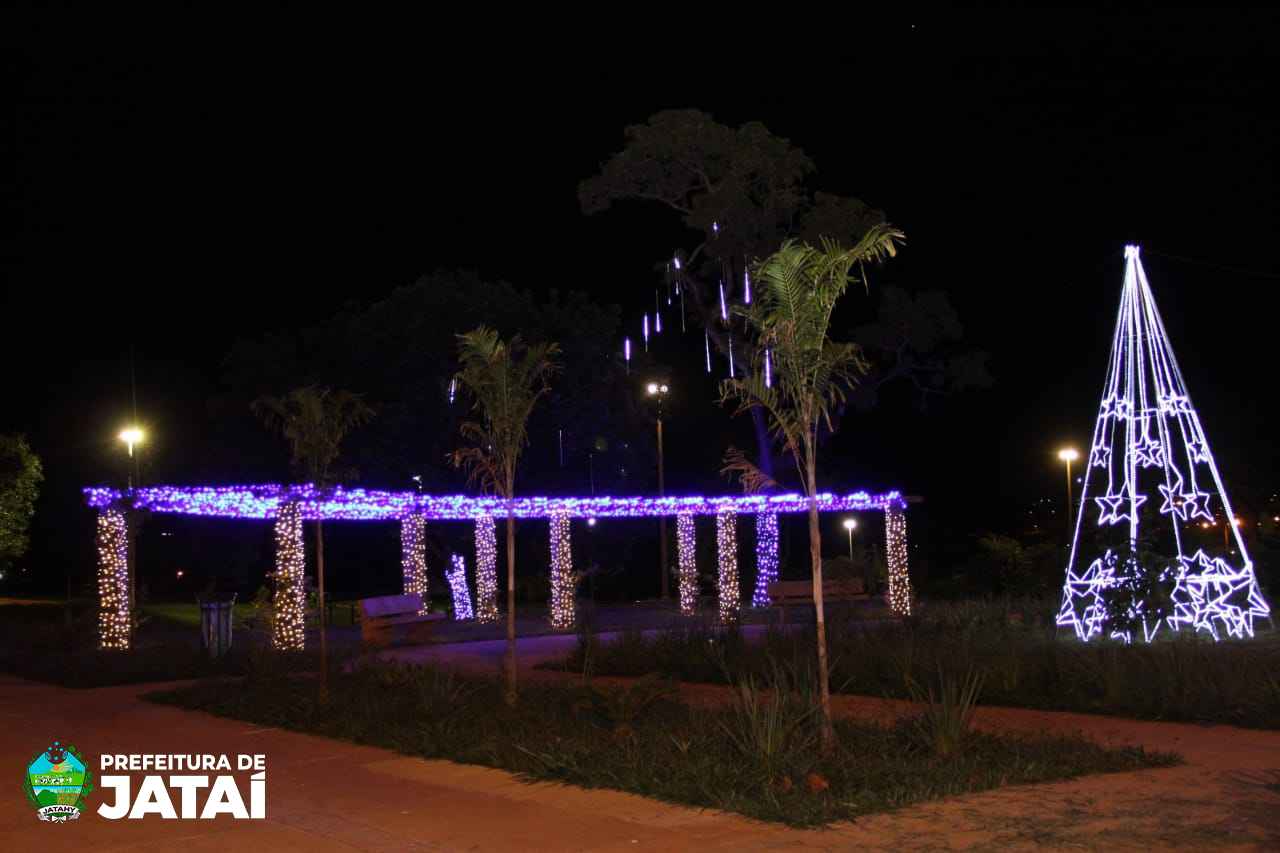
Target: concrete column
(115, 616)
(289, 604)
(895, 535)
(766, 557)
(564, 583)
(727, 546)
(413, 556)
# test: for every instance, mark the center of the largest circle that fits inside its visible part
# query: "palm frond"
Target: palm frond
(753, 480)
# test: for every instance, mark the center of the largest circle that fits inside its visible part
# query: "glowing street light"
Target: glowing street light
(131, 436)
(1069, 455)
(658, 390)
(849, 525)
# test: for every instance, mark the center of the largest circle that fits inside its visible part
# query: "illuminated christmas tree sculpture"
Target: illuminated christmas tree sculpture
(1159, 558)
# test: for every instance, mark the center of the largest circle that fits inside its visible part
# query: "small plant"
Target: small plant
(945, 721)
(439, 689)
(767, 729)
(1008, 668)
(618, 705)
(267, 665)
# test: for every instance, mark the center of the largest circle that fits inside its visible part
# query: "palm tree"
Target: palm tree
(506, 379)
(314, 421)
(808, 373)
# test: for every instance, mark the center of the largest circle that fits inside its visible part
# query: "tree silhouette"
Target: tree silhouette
(314, 421)
(808, 375)
(506, 380)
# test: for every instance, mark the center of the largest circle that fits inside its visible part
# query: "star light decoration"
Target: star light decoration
(1148, 439)
(457, 578)
(766, 557)
(686, 550)
(413, 557)
(727, 579)
(486, 570)
(288, 626)
(564, 604)
(115, 622)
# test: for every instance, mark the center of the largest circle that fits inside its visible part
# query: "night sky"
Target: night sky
(175, 182)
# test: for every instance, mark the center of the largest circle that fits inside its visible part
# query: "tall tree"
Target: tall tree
(740, 192)
(401, 352)
(20, 477)
(314, 421)
(808, 374)
(506, 378)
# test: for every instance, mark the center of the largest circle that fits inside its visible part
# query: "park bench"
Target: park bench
(836, 591)
(379, 618)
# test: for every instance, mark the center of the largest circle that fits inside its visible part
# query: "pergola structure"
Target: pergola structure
(289, 506)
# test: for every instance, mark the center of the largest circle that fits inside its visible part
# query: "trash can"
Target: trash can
(215, 621)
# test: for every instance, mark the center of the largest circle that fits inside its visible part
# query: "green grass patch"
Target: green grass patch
(1014, 651)
(635, 738)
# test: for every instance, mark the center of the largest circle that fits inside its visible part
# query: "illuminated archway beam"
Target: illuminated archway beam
(262, 502)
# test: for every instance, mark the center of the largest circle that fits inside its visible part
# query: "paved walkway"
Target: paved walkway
(329, 795)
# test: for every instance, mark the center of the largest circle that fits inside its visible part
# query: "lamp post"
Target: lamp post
(1068, 455)
(659, 392)
(131, 436)
(849, 525)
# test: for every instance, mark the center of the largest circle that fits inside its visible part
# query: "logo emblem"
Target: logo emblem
(56, 783)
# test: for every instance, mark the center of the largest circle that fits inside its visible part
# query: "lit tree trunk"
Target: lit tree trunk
(511, 605)
(826, 732)
(324, 659)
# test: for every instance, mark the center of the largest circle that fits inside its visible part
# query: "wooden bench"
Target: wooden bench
(380, 616)
(837, 591)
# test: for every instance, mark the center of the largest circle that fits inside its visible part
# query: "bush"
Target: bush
(756, 758)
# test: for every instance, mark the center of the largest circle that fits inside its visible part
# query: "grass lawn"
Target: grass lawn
(757, 758)
(1022, 662)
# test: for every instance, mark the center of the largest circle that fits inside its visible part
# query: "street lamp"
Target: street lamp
(1068, 455)
(131, 436)
(659, 392)
(849, 524)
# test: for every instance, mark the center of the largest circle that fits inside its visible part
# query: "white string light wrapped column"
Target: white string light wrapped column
(486, 570)
(115, 621)
(413, 556)
(727, 545)
(564, 602)
(766, 557)
(457, 577)
(895, 527)
(686, 549)
(288, 628)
